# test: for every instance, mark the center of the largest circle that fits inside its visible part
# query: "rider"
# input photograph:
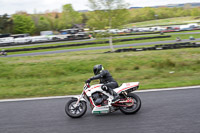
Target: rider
(2, 51)
(106, 79)
(178, 39)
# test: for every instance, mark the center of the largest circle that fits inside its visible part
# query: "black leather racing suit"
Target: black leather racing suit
(106, 79)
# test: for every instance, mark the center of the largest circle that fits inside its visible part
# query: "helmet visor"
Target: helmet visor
(95, 71)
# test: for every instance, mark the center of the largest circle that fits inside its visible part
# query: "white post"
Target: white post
(111, 44)
(110, 38)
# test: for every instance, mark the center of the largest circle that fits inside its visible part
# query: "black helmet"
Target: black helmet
(97, 69)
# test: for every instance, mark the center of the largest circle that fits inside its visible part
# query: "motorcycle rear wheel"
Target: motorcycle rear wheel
(135, 107)
(75, 112)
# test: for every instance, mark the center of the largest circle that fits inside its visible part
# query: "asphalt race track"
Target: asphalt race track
(97, 48)
(176, 111)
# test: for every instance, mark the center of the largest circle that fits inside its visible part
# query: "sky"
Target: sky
(39, 6)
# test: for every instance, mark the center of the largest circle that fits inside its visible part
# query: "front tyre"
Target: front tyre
(75, 112)
(135, 107)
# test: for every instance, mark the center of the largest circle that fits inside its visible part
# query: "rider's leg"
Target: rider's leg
(109, 88)
(114, 94)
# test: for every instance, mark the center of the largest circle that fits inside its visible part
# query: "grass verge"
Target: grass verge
(168, 21)
(64, 74)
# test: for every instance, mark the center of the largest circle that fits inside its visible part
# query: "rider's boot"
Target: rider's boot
(115, 95)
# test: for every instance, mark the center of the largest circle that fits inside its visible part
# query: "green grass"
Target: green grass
(169, 21)
(173, 37)
(64, 74)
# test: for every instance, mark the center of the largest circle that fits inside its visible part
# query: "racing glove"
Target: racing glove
(88, 81)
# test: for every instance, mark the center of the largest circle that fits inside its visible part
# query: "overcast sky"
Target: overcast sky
(31, 6)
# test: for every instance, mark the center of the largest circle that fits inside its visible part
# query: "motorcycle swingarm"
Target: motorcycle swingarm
(121, 103)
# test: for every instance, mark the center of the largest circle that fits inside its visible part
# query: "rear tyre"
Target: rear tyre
(135, 107)
(75, 112)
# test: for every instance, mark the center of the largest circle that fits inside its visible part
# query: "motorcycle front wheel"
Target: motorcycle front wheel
(75, 111)
(135, 107)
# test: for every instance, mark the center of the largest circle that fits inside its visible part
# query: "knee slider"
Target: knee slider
(105, 88)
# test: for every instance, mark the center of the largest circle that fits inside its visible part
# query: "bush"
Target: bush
(136, 68)
(164, 64)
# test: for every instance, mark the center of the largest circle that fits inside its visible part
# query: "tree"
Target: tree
(43, 25)
(195, 12)
(84, 18)
(6, 24)
(53, 19)
(97, 20)
(23, 24)
(69, 17)
(108, 13)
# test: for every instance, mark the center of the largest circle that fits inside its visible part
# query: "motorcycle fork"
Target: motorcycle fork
(81, 96)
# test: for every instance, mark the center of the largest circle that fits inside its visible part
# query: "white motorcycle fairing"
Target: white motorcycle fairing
(98, 109)
(126, 86)
(97, 88)
(77, 97)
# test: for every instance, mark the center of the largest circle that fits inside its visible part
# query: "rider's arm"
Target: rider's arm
(98, 76)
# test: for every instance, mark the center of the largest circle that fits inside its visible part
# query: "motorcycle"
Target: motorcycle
(101, 101)
(3, 53)
(178, 39)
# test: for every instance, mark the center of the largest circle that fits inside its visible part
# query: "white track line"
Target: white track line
(170, 89)
(59, 97)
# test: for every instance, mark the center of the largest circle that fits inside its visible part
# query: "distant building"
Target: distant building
(69, 31)
(44, 33)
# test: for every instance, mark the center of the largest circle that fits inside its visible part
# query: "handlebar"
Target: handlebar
(87, 85)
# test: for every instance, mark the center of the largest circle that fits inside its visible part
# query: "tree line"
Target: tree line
(144, 14)
(22, 22)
